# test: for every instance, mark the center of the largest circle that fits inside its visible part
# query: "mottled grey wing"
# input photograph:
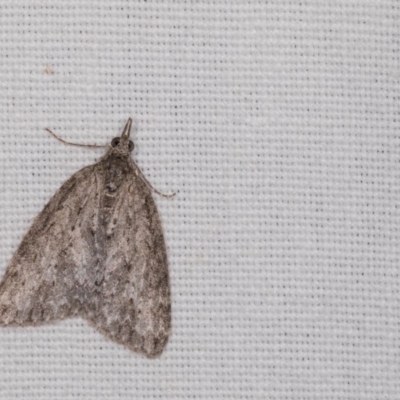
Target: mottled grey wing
(135, 307)
(48, 275)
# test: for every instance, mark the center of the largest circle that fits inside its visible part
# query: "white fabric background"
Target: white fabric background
(278, 122)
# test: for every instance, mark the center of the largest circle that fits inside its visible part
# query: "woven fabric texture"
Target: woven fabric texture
(278, 123)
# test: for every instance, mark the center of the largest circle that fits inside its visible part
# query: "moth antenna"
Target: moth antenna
(93, 146)
(149, 185)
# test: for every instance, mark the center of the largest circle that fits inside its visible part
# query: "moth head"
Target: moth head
(123, 144)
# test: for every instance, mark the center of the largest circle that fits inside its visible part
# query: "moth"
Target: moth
(96, 251)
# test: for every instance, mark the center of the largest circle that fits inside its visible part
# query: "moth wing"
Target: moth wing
(48, 274)
(135, 305)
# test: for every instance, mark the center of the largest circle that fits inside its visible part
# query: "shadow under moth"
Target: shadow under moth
(96, 251)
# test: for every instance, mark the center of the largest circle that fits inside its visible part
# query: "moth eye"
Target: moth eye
(115, 142)
(131, 145)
